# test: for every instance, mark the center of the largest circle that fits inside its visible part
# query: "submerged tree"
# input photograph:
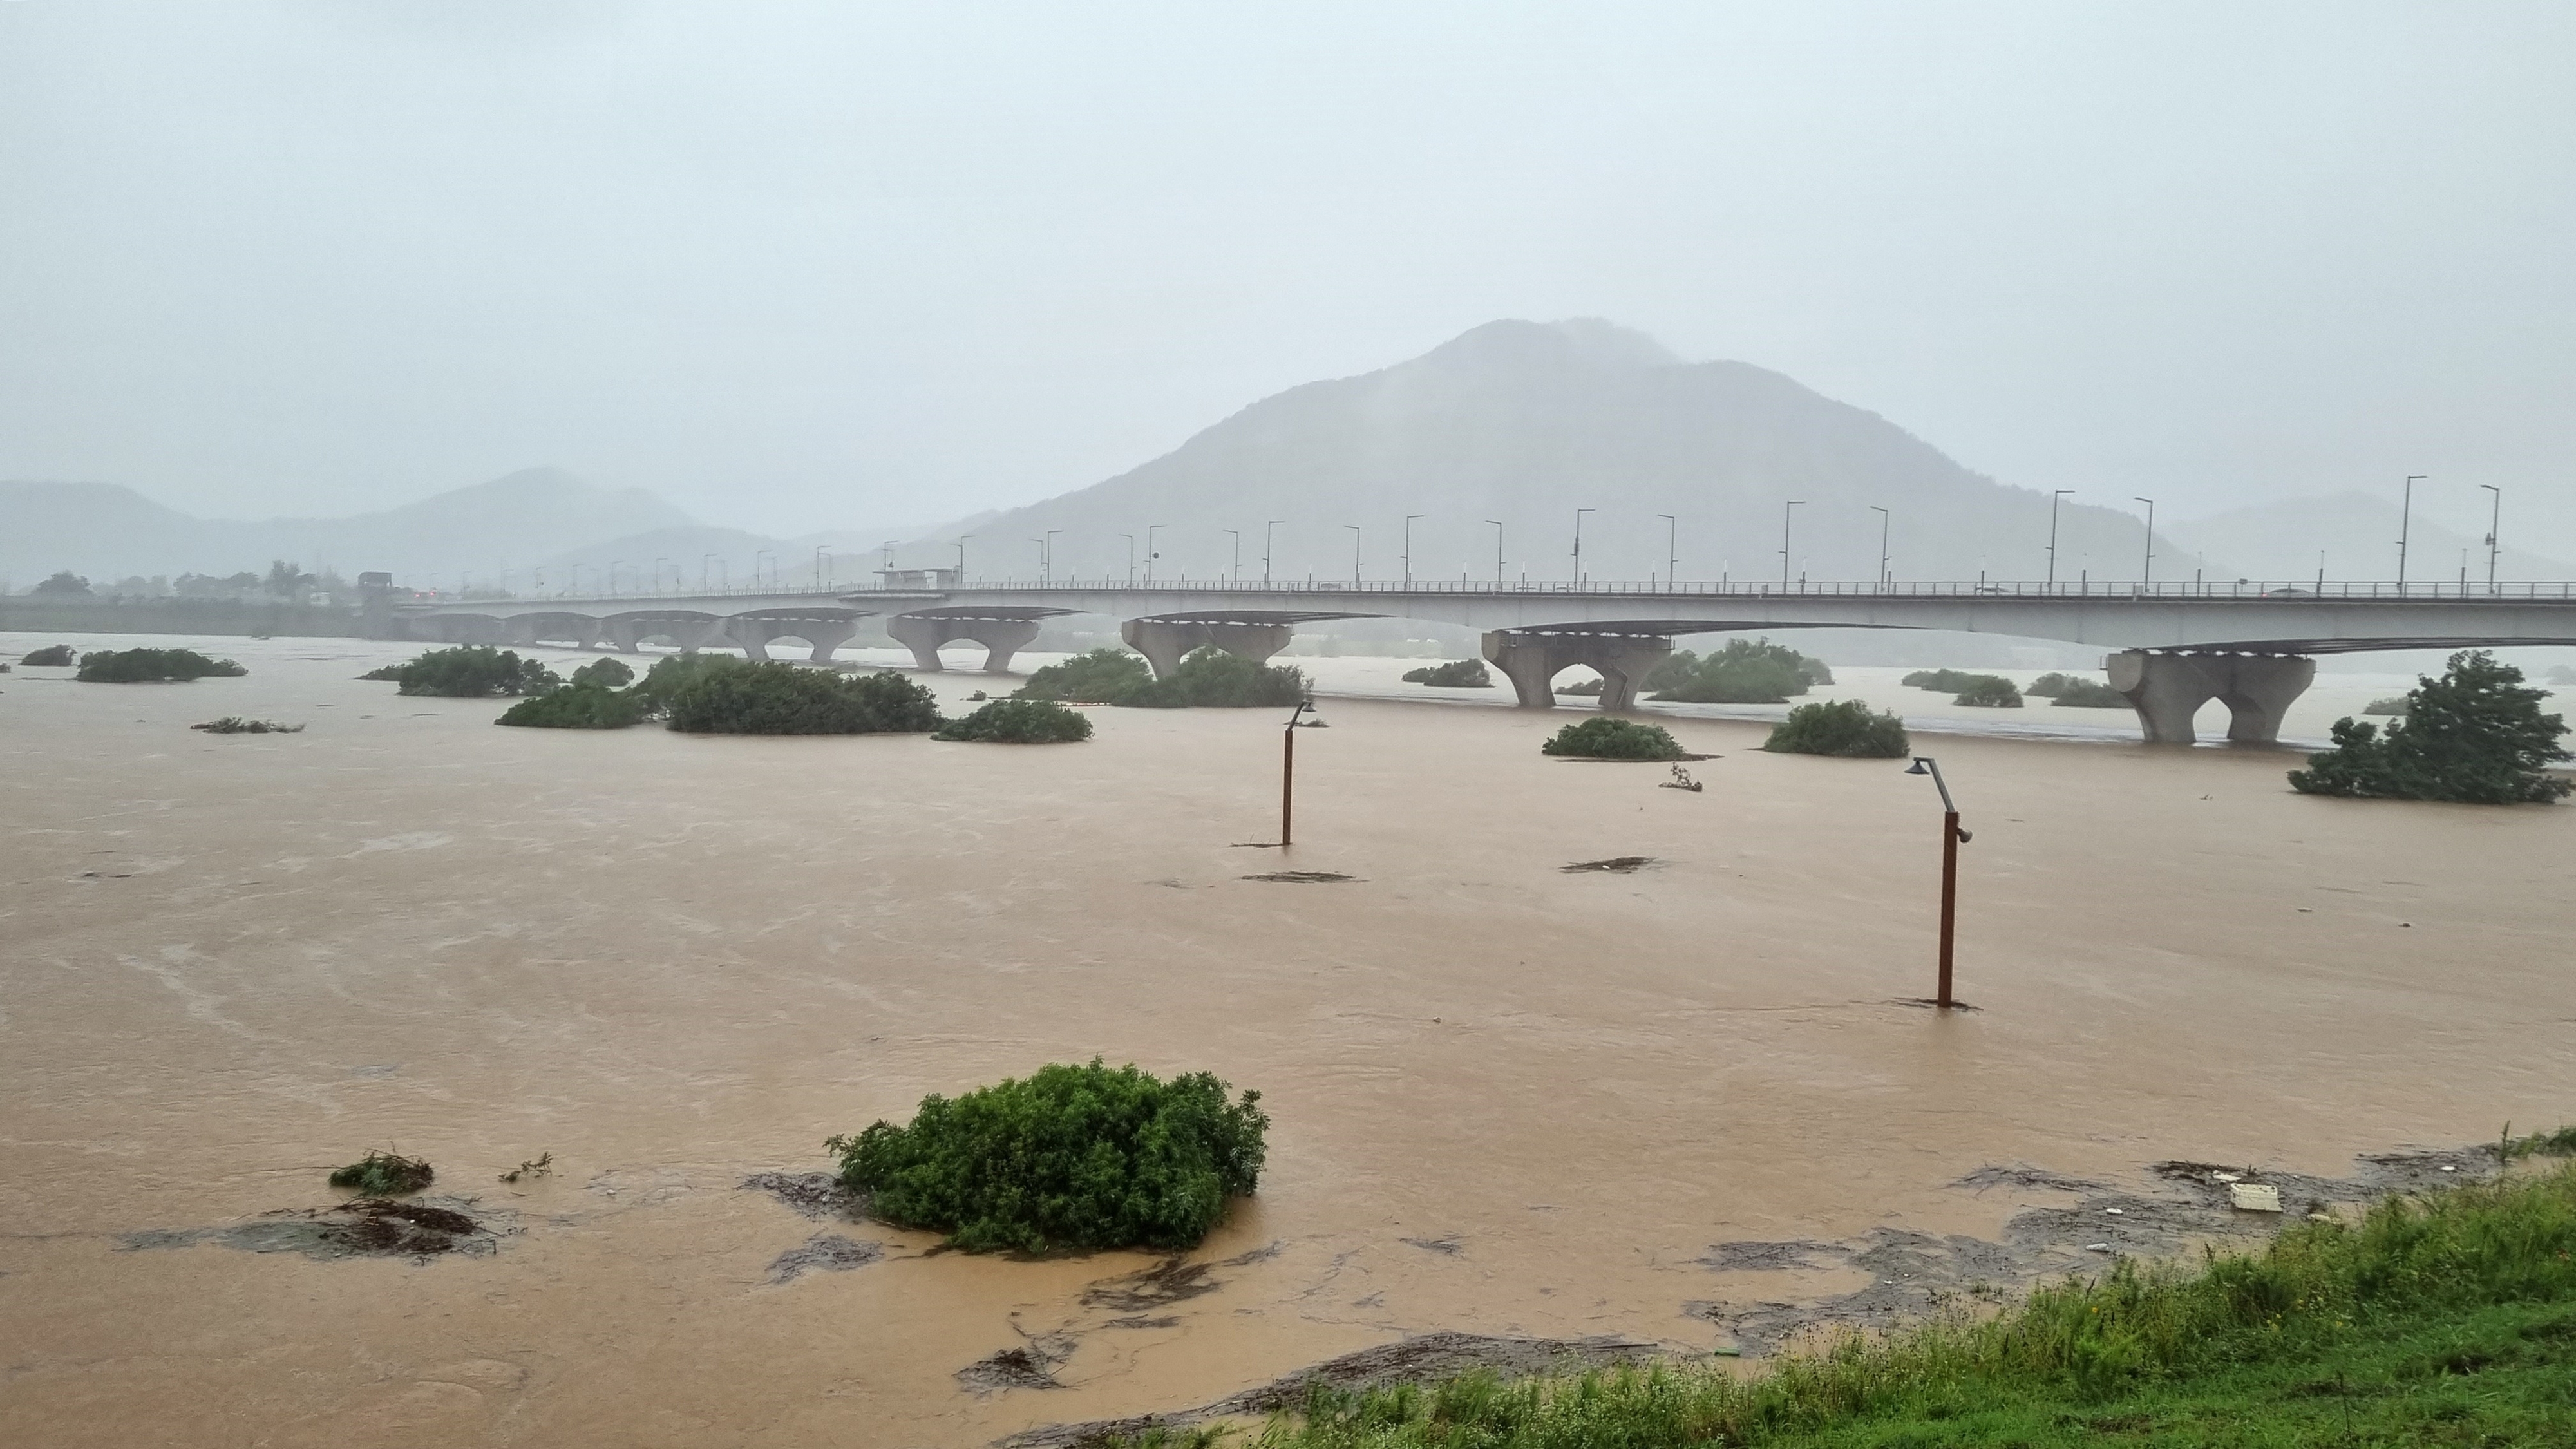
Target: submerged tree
(2475, 736)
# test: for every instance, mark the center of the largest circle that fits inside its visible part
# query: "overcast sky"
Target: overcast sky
(810, 266)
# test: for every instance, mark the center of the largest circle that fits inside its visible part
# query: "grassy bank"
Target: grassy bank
(2448, 1321)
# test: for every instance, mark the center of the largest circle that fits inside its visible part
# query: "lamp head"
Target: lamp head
(1919, 767)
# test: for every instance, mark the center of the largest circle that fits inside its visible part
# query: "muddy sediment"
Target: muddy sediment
(1645, 1107)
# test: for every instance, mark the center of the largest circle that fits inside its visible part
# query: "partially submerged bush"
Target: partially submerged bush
(1094, 678)
(1941, 681)
(604, 674)
(152, 666)
(470, 671)
(2050, 685)
(2394, 704)
(383, 674)
(1019, 722)
(384, 1174)
(782, 699)
(1608, 737)
(1073, 1158)
(1458, 674)
(1210, 678)
(673, 672)
(52, 656)
(2475, 736)
(576, 707)
(1843, 727)
(1746, 671)
(1989, 691)
(233, 724)
(2090, 694)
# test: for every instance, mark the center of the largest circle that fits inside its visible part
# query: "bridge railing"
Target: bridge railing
(2108, 591)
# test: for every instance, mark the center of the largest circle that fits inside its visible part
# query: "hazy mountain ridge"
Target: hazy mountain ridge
(1525, 422)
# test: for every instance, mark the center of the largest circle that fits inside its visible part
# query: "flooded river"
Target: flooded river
(1507, 1099)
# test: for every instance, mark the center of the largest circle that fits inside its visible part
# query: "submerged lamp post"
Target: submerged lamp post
(1288, 764)
(1952, 837)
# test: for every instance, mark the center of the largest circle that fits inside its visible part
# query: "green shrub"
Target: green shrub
(2049, 686)
(2475, 736)
(576, 707)
(1073, 1158)
(783, 699)
(52, 656)
(152, 666)
(471, 671)
(2394, 704)
(1608, 737)
(1094, 678)
(1210, 678)
(672, 672)
(1019, 722)
(2090, 694)
(1844, 727)
(1940, 681)
(1989, 691)
(1460, 674)
(383, 673)
(604, 673)
(1584, 686)
(1746, 671)
(233, 724)
(384, 1174)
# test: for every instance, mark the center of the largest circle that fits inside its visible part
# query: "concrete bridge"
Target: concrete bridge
(2171, 647)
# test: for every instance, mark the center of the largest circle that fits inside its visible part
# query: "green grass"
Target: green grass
(2450, 1321)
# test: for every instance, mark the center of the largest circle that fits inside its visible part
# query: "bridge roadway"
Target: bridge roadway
(2174, 646)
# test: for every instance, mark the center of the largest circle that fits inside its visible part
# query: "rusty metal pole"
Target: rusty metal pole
(1287, 778)
(1949, 900)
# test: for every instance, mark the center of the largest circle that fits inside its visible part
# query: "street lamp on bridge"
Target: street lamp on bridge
(2495, 515)
(1578, 543)
(1131, 558)
(2053, 500)
(961, 556)
(1785, 515)
(2147, 569)
(1265, 548)
(1355, 551)
(756, 557)
(1672, 548)
(1498, 551)
(1050, 554)
(1235, 575)
(1884, 518)
(1408, 547)
(2405, 525)
(1150, 555)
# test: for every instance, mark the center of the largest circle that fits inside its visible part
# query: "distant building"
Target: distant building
(917, 578)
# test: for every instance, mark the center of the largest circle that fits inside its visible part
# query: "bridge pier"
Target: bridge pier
(1166, 642)
(2167, 689)
(924, 633)
(824, 634)
(1532, 660)
(690, 634)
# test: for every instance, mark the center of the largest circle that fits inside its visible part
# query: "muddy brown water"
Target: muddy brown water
(1679, 1107)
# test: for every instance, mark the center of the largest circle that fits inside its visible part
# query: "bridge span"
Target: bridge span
(2170, 647)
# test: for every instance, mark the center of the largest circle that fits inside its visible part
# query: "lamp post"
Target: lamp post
(1884, 518)
(1288, 763)
(1266, 526)
(1042, 558)
(1498, 551)
(1131, 558)
(2405, 525)
(613, 566)
(659, 566)
(1952, 837)
(1235, 575)
(2053, 500)
(1672, 547)
(819, 551)
(1784, 541)
(1408, 547)
(1355, 551)
(2495, 515)
(1050, 554)
(760, 554)
(961, 556)
(1149, 553)
(1578, 543)
(2147, 570)
(703, 560)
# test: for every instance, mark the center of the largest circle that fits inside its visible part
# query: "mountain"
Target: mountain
(107, 532)
(1526, 422)
(2357, 533)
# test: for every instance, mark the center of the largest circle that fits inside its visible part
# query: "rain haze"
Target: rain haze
(794, 268)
